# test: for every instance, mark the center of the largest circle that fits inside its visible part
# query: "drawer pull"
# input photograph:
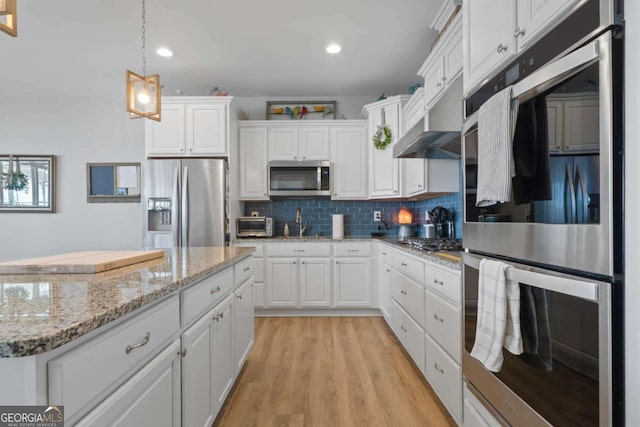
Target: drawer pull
(388, 270)
(403, 292)
(246, 269)
(403, 328)
(239, 297)
(403, 264)
(217, 317)
(438, 282)
(183, 353)
(304, 262)
(298, 250)
(144, 342)
(509, 406)
(384, 253)
(213, 291)
(438, 368)
(438, 318)
(501, 48)
(353, 250)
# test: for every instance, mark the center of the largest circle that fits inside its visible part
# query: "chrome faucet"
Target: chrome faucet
(303, 228)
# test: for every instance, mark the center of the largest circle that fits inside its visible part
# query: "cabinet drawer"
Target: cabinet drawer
(445, 376)
(444, 325)
(409, 294)
(385, 254)
(205, 294)
(352, 249)
(78, 378)
(444, 283)
(258, 269)
(243, 270)
(299, 249)
(409, 266)
(410, 334)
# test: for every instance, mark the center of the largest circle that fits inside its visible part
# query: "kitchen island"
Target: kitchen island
(94, 342)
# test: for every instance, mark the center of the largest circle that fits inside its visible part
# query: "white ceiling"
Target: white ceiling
(248, 48)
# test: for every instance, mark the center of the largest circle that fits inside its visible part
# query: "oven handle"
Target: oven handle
(581, 197)
(565, 285)
(556, 72)
(569, 197)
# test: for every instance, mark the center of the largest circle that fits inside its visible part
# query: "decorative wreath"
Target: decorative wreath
(378, 141)
(15, 181)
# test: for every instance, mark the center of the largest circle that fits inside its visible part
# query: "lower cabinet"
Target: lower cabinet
(352, 282)
(282, 282)
(149, 398)
(243, 322)
(384, 289)
(315, 282)
(222, 351)
(410, 334)
(475, 414)
(445, 376)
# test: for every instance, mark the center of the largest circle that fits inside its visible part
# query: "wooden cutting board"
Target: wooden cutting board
(78, 262)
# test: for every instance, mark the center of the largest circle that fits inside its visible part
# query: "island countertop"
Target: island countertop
(41, 312)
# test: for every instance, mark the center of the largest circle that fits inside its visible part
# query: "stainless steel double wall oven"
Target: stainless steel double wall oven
(562, 231)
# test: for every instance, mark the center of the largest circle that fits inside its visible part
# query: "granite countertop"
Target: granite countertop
(440, 258)
(41, 312)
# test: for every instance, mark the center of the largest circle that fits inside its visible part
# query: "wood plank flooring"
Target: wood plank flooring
(330, 371)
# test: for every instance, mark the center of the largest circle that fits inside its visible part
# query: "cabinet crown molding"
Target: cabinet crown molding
(443, 15)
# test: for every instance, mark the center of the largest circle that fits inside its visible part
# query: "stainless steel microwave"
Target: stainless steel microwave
(254, 226)
(299, 179)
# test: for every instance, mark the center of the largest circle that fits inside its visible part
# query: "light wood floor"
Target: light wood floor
(330, 371)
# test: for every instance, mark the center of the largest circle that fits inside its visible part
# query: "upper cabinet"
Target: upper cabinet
(190, 126)
(349, 162)
(495, 31)
(253, 163)
(444, 63)
(573, 123)
(384, 170)
(299, 142)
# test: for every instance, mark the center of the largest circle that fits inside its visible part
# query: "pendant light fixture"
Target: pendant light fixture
(143, 92)
(9, 17)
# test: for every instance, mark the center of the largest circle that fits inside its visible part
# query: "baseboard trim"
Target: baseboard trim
(317, 312)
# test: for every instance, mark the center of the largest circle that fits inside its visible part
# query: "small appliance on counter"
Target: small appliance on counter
(405, 223)
(254, 226)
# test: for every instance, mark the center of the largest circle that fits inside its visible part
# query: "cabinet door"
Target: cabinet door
(384, 287)
(168, 136)
(149, 398)
(384, 174)
(283, 143)
(349, 163)
(253, 164)
(222, 352)
(582, 125)
(555, 111)
(282, 286)
(206, 129)
(452, 51)
(314, 143)
(414, 173)
(434, 81)
(488, 38)
(315, 282)
(243, 312)
(197, 373)
(351, 282)
(535, 17)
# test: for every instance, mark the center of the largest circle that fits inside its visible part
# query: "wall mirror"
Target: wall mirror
(28, 183)
(113, 182)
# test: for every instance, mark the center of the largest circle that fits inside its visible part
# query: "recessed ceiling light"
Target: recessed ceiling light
(163, 51)
(334, 48)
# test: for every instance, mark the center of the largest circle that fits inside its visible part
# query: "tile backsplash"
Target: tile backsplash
(358, 215)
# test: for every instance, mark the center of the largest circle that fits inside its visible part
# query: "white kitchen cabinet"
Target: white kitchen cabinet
(496, 30)
(315, 282)
(555, 124)
(434, 79)
(349, 162)
(282, 282)
(222, 351)
(475, 414)
(410, 295)
(352, 282)
(253, 163)
(445, 377)
(150, 398)
(243, 322)
(384, 288)
(384, 170)
(257, 262)
(410, 334)
(190, 126)
(573, 122)
(299, 142)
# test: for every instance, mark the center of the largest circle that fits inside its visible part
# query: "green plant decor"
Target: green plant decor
(15, 181)
(382, 138)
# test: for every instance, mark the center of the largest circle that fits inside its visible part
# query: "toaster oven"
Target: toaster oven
(254, 226)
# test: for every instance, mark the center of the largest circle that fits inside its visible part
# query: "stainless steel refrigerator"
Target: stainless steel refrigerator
(184, 203)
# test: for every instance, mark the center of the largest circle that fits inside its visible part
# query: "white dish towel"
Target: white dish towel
(496, 124)
(498, 321)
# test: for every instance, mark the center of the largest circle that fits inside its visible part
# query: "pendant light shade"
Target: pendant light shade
(143, 96)
(143, 92)
(8, 17)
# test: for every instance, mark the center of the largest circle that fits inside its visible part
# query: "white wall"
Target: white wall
(632, 212)
(350, 107)
(77, 132)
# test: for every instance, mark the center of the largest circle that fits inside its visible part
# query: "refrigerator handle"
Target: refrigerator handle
(174, 207)
(185, 207)
(581, 197)
(569, 197)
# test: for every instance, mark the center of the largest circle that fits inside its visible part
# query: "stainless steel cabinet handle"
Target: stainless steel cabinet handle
(304, 157)
(439, 84)
(444, 79)
(388, 270)
(337, 262)
(217, 317)
(438, 282)
(213, 291)
(294, 263)
(439, 369)
(438, 318)
(298, 250)
(246, 269)
(403, 328)
(384, 253)
(239, 296)
(182, 353)
(403, 292)
(353, 250)
(501, 48)
(190, 149)
(144, 342)
(304, 262)
(518, 32)
(403, 264)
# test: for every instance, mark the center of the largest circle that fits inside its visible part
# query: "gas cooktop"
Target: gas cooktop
(432, 245)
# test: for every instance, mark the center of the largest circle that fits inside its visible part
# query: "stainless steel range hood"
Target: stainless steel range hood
(417, 143)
